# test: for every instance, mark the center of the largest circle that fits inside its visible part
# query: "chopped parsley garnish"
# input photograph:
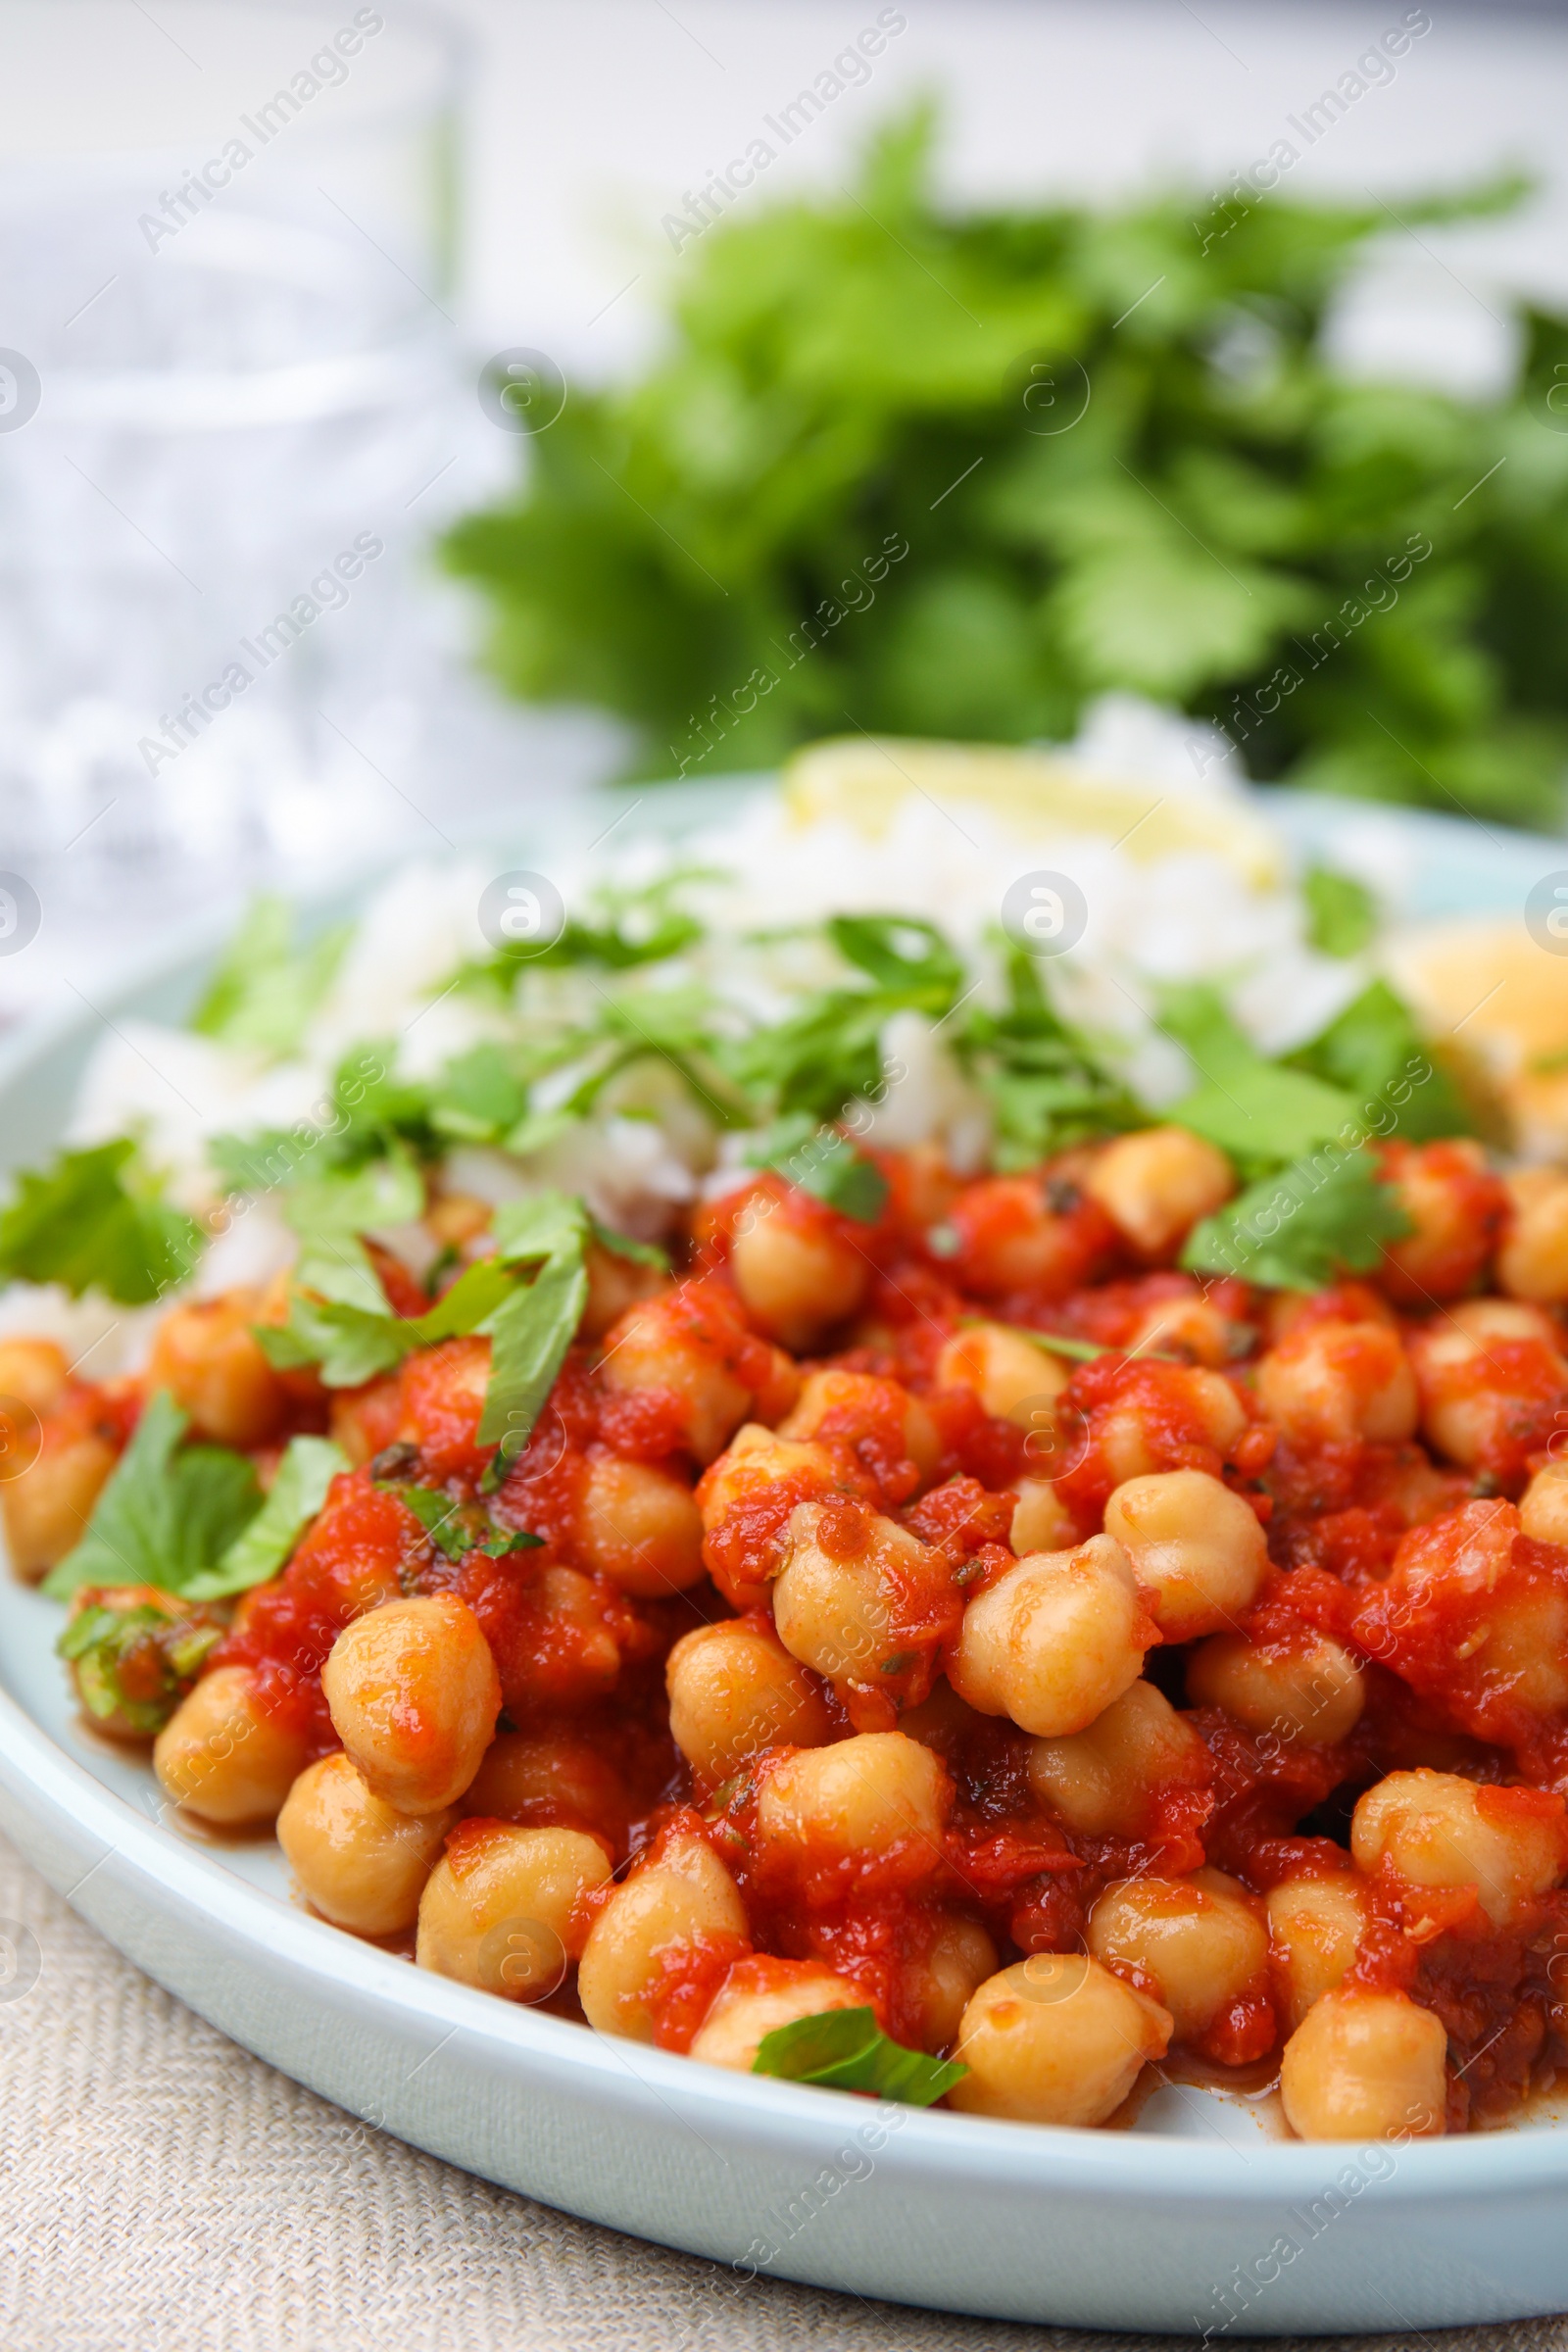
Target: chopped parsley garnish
(267, 988)
(818, 1160)
(135, 1663)
(845, 2049)
(167, 1513)
(262, 1548)
(97, 1220)
(459, 1528)
(190, 1519)
(1342, 915)
(1324, 1216)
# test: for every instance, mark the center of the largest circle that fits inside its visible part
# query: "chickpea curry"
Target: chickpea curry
(951, 1643)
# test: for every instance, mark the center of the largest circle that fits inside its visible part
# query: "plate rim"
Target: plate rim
(773, 2117)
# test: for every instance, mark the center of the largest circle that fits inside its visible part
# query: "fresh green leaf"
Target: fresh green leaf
(1264, 1115)
(352, 1343)
(266, 989)
(526, 1230)
(1342, 913)
(479, 1096)
(1300, 1229)
(97, 1220)
(819, 1161)
(1374, 1051)
(167, 1652)
(261, 1549)
(621, 1244)
(845, 2049)
(444, 1520)
(955, 469)
(167, 1513)
(529, 1340)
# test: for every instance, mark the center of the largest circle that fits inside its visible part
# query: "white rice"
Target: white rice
(646, 1149)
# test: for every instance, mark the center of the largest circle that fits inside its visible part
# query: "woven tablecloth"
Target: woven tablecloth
(161, 2188)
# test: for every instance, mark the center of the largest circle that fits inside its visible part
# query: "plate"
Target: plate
(1201, 2221)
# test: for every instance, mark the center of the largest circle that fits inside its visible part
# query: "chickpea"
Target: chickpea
(861, 1796)
(1506, 1624)
(361, 1865)
(207, 1355)
(33, 1372)
(1055, 1639)
(683, 1345)
(1198, 1942)
(364, 1420)
(575, 1657)
(1315, 1928)
(754, 1466)
(47, 1506)
(1340, 1384)
(838, 1614)
(735, 1693)
(1010, 1239)
(1432, 1829)
(640, 1526)
(1470, 1394)
(797, 1275)
(413, 1696)
(615, 1283)
(1192, 1326)
(758, 1997)
(1543, 1505)
(844, 1407)
(684, 1899)
(1130, 1448)
(223, 1758)
(1008, 1373)
(1197, 1549)
(1156, 1184)
(1304, 1688)
(522, 1773)
(501, 1910)
(960, 1957)
(1056, 2039)
(1365, 2065)
(1042, 1521)
(1455, 1208)
(457, 1218)
(1533, 1261)
(1102, 1781)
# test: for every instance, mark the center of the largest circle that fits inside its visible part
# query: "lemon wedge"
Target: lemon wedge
(1486, 986)
(864, 780)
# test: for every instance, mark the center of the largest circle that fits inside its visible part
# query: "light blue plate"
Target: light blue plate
(1201, 2222)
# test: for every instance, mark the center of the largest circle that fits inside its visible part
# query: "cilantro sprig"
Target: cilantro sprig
(1325, 1215)
(97, 1220)
(190, 1519)
(845, 2049)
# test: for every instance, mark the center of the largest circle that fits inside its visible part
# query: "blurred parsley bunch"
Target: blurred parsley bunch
(1114, 456)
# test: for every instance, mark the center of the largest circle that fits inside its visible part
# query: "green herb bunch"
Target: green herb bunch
(951, 473)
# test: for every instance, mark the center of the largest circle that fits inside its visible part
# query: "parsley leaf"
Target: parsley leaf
(1302, 1228)
(1374, 1050)
(266, 989)
(529, 1343)
(261, 1550)
(845, 2049)
(1342, 915)
(167, 1513)
(820, 1161)
(459, 1528)
(96, 1219)
(352, 1344)
(1264, 1115)
(1047, 1086)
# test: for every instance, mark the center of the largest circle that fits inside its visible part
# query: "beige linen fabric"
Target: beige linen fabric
(161, 2188)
